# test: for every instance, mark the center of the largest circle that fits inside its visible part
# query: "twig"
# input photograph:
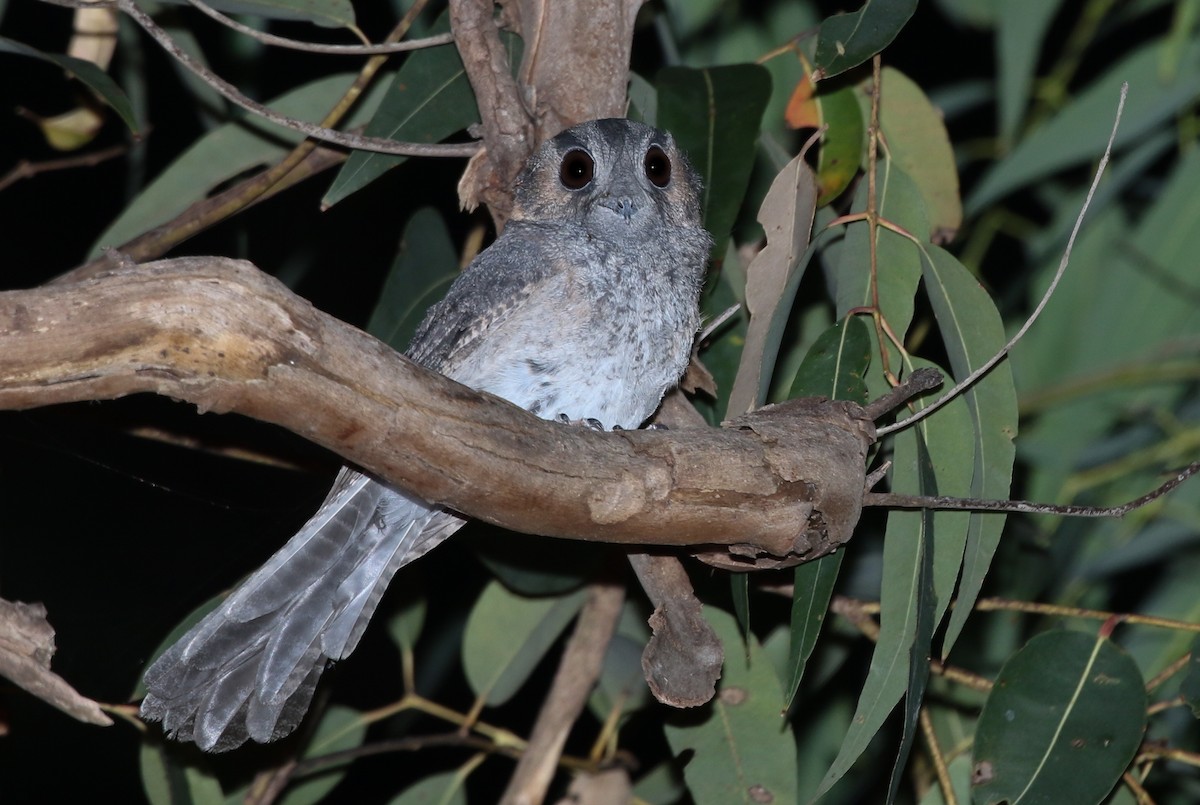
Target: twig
(577, 673)
(972, 378)
(232, 94)
(317, 47)
(27, 170)
(1005, 605)
(939, 760)
(303, 161)
(897, 501)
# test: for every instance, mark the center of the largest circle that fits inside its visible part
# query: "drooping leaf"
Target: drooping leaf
(508, 635)
(740, 752)
(424, 267)
(340, 729)
(772, 277)
(811, 592)
(92, 76)
(445, 788)
(326, 13)
(924, 606)
(1061, 724)
(1189, 687)
(229, 151)
(919, 145)
(428, 100)
(898, 270)
(715, 114)
(1021, 27)
(972, 332)
(1078, 132)
(903, 606)
(836, 364)
(168, 781)
(848, 40)
(841, 150)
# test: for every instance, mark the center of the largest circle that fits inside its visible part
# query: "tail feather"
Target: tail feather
(249, 668)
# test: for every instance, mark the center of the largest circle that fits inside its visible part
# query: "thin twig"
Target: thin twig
(972, 378)
(1057, 610)
(942, 503)
(232, 94)
(27, 170)
(939, 760)
(316, 47)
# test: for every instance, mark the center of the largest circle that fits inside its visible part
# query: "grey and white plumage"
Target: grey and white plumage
(585, 306)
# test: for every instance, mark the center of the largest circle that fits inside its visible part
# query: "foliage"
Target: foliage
(931, 243)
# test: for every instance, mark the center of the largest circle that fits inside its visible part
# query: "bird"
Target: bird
(584, 309)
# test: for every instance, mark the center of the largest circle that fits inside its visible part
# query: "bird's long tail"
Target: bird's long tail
(248, 669)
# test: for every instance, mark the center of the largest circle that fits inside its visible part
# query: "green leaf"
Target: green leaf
(436, 789)
(848, 40)
(228, 152)
(900, 201)
(92, 76)
(741, 752)
(926, 603)
(1078, 132)
(1061, 724)
(622, 685)
(533, 566)
(1190, 685)
(811, 593)
(422, 272)
(919, 145)
(739, 590)
(772, 278)
(836, 364)
(166, 781)
(972, 333)
(326, 13)
(404, 627)
(508, 635)
(715, 114)
(841, 152)
(902, 605)
(428, 100)
(340, 729)
(1021, 27)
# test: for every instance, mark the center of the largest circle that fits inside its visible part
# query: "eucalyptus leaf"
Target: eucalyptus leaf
(428, 99)
(1020, 30)
(848, 40)
(168, 781)
(92, 76)
(1064, 719)
(772, 277)
(739, 753)
(227, 152)
(1078, 132)
(425, 266)
(715, 114)
(327, 13)
(507, 635)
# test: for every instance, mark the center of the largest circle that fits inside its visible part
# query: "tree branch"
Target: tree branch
(777, 487)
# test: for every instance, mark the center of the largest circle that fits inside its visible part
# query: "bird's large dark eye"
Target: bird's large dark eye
(658, 166)
(577, 170)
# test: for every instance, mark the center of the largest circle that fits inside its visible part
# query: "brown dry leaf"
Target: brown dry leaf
(786, 215)
(26, 646)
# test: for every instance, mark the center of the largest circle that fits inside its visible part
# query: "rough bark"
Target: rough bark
(777, 487)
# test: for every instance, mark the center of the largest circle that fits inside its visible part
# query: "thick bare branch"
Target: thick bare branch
(782, 485)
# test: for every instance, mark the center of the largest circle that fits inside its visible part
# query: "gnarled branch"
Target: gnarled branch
(782, 485)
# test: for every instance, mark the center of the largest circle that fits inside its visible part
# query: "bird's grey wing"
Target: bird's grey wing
(499, 279)
(248, 669)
